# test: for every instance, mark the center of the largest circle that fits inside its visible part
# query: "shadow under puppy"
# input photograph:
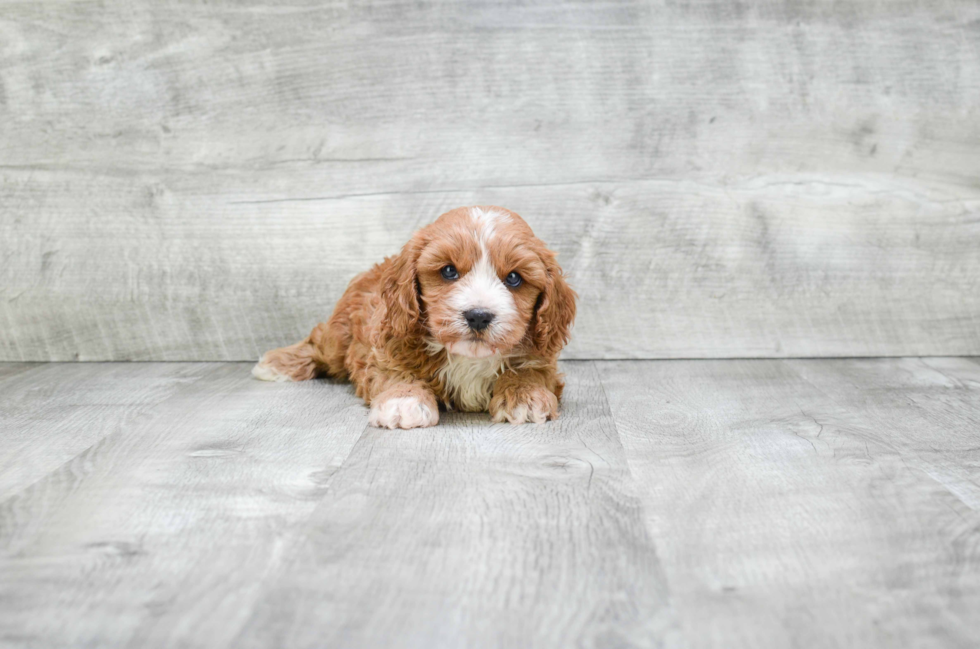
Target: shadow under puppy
(471, 314)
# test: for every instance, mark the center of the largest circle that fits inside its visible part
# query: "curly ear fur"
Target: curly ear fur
(555, 311)
(401, 312)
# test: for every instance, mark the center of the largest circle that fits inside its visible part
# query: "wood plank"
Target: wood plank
(927, 409)
(10, 370)
(785, 517)
(161, 533)
(707, 503)
(51, 413)
(199, 181)
(475, 535)
(772, 267)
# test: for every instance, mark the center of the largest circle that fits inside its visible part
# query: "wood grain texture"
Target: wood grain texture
(473, 535)
(160, 533)
(51, 413)
(197, 181)
(925, 409)
(728, 504)
(808, 503)
(10, 370)
(186, 528)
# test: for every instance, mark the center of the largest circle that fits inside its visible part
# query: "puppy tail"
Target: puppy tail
(292, 363)
(322, 353)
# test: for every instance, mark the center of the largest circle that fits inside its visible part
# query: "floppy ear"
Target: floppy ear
(400, 311)
(555, 311)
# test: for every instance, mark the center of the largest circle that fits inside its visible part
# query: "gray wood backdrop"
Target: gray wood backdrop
(189, 180)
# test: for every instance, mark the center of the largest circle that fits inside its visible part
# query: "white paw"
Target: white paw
(403, 412)
(265, 372)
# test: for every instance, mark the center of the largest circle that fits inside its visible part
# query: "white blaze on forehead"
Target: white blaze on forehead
(481, 287)
(486, 222)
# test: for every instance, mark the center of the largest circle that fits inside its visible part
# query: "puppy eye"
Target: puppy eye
(513, 280)
(449, 272)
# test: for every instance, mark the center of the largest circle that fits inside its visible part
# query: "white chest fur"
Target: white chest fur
(469, 381)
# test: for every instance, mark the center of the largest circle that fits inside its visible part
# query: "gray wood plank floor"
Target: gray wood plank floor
(739, 503)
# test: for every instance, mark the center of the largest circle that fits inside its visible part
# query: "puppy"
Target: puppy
(472, 314)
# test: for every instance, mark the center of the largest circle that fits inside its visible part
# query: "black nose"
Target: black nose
(478, 319)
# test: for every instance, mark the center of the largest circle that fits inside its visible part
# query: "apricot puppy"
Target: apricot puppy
(472, 314)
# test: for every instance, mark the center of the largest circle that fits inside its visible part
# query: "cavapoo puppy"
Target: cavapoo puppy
(471, 314)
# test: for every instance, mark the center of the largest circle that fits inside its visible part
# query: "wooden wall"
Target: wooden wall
(189, 180)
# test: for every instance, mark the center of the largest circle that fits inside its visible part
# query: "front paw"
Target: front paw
(404, 412)
(524, 404)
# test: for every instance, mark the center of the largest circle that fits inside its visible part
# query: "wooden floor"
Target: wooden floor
(756, 503)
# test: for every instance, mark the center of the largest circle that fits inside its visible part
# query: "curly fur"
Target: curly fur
(398, 333)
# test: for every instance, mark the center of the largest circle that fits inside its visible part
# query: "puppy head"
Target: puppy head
(478, 282)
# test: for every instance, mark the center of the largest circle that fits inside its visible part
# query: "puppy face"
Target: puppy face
(484, 283)
(480, 279)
